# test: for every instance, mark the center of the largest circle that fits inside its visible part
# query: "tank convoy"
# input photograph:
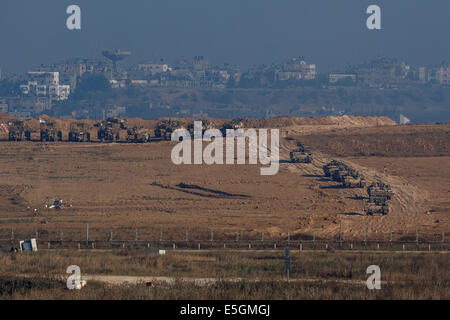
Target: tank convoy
(378, 192)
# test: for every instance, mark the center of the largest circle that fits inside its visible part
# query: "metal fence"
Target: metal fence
(81, 239)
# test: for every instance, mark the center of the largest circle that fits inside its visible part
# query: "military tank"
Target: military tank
(206, 125)
(301, 156)
(79, 132)
(138, 135)
(234, 124)
(18, 131)
(109, 129)
(49, 131)
(165, 128)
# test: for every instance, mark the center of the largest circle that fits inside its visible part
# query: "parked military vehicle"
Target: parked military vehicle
(351, 181)
(79, 132)
(165, 128)
(138, 135)
(109, 129)
(233, 124)
(332, 166)
(380, 189)
(373, 208)
(301, 156)
(206, 125)
(379, 195)
(17, 131)
(49, 131)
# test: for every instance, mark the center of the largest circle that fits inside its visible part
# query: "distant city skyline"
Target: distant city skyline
(327, 33)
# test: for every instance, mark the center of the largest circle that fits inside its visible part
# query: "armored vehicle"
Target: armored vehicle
(206, 125)
(79, 132)
(17, 131)
(138, 135)
(333, 165)
(165, 128)
(351, 181)
(301, 156)
(49, 131)
(380, 189)
(109, 129)
(233, 124)
(373, 208)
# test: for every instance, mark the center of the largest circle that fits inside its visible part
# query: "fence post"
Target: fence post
(12, 237)
(212, 238)
(289, 239)
(390, 238)
(160, 238)
(110, 235)
(301, 246)
(314, 241)
(87, 235)
(365, 239)
(417, 239)
(137, 236)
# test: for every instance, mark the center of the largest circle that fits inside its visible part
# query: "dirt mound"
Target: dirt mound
(398, 141)
(6, 117)
(277, 122)
(284, 122)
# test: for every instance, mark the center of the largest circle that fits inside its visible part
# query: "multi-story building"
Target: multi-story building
(296, 69)
(336, 77)
(45, 84)
(153, 68)
(381, 72)
(438, 74)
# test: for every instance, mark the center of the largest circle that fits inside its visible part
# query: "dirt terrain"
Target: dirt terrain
(124, 187)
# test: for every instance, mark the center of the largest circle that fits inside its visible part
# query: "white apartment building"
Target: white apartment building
(45, 84)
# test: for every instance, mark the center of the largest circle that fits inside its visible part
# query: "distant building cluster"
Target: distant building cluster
(40, 89)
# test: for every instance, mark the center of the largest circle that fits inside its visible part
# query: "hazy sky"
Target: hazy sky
(243, 32)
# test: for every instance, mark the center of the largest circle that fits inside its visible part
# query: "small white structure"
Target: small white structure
(404, 120)
(28, 245)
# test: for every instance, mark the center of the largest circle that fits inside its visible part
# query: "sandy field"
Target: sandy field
(124, 186)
